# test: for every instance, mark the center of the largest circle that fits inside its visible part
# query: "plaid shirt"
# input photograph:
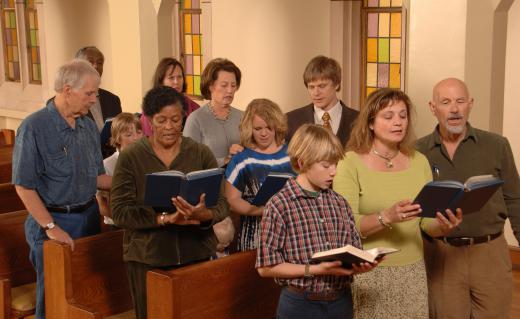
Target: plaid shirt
(296, 224)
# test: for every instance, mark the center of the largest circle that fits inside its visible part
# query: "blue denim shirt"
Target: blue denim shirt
(60, 163)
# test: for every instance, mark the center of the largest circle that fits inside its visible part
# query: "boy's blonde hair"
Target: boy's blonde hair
(120, 124)
(268, 111)
(312, 144)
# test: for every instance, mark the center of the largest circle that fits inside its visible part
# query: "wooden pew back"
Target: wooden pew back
(89, 282)
(15, 267)
(9, 199)
(14, 250)
(228, 287)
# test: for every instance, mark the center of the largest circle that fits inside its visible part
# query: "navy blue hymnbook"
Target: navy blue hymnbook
(437, 196)
(160, 187)
(273, 184)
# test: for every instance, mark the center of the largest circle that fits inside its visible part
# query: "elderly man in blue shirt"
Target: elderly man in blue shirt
(57, 166)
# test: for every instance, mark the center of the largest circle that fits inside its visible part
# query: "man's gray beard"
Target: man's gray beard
(455, 129)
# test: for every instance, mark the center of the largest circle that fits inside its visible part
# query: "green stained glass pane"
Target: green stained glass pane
(13, 19)
(196, 85)
(383, 50)
(33, 38)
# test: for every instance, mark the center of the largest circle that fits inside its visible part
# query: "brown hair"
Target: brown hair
(322, 67)
(162, 68)
(120, 124)
(210, 74)
(311, 144)
(268, 111)
(362, 137)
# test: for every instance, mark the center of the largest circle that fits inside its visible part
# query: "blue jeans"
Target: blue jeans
(292, 305)
(76, 225)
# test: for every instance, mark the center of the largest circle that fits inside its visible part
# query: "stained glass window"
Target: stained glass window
(33, 42)
(382, 48)
(10, 41)
(191, 38)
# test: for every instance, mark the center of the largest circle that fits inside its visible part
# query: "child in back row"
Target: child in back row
(306, 217)
(262, 133)
(125, 130)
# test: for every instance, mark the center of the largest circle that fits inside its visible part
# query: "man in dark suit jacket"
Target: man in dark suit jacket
(322, 77)
(109, 104)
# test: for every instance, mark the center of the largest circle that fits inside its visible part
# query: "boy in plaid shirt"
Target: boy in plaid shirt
(306, 217)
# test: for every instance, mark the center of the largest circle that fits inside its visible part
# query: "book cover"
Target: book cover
(437, 196)
(106, 132)
(272, 185)
(160, 187)
(349, 255)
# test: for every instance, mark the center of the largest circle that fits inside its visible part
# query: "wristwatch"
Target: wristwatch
(49, 226)
(307, 273)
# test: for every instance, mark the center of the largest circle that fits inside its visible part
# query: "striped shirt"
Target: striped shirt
(247, 172)
(297, 224)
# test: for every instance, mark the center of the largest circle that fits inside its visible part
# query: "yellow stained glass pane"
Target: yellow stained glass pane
(34, 54)
(187, 44)
(395, 50)
(35, 72)
(395, 76)
(196, 65)
(6, 19)
(196, 85)
(397, 3)
(189, 84)
(370, 90)
(395, 25)
(187, 23)
(383, 50)
(384, 3)
(384, 24)
(11, 70)
(14, 36)
(31, 20)
(15, 54)
(371, 50)
(196, 44)
(9, 53)
(187, 4)
(371, 74)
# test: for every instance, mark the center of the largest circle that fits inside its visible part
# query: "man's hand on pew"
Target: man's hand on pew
(198, 212)
(60, 235)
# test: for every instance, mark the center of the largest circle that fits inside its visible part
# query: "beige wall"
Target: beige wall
(512, 85)
(436, 49)
(272, 46)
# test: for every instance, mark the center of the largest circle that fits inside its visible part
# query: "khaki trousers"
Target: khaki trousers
(469, 281)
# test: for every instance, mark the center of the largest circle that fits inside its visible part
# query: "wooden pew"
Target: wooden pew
(6, 163)
(16, 271)
(6, 137)
(9, 199)
(228, 287)
(89, 282)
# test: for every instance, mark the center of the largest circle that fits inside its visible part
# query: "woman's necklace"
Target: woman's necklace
(388, 159)
(220, 117)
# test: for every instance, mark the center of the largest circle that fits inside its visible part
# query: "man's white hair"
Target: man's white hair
(73, 74)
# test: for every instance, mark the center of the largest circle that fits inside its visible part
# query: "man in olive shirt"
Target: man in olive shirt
(469, 273)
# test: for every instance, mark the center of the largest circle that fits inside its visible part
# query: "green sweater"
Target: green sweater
(144, 240)
(368, 191)
(479, 153)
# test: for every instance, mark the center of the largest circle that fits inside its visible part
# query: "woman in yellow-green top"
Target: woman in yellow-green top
(380, 176)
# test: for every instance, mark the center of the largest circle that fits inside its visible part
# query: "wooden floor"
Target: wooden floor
(515, 309)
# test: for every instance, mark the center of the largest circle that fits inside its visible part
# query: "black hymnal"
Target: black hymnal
(106, 132)
(272, 185)
(349, 255)
(470, 196)
(160, 187)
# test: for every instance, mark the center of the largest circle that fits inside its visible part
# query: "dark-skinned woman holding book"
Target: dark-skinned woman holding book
(379, 176)
(156, 239)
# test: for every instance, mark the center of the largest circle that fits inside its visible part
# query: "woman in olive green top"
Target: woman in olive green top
(155, 239)
(379, 177)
